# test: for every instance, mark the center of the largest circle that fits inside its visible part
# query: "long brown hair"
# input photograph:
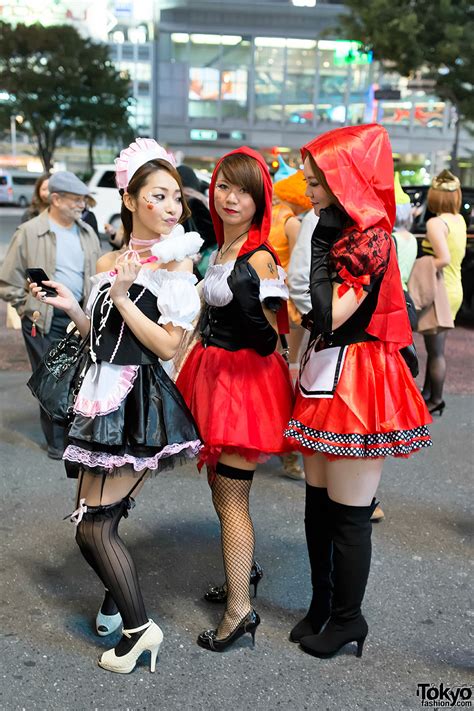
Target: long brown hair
(321, 178)
(243, 170)
(136, 184)
(36, 201)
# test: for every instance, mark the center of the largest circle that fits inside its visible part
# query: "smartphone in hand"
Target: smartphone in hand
(38, 276)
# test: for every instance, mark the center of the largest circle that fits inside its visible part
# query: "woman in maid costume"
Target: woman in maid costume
(236, 386)
(357, 402)
(130, 421)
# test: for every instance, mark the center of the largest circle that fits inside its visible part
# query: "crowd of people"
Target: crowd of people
(324, 257)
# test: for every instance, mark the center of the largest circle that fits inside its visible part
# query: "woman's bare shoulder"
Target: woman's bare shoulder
(106, 261)
(264, 264)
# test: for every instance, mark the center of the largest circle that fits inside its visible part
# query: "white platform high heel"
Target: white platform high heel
(149, 641)
(106, 624)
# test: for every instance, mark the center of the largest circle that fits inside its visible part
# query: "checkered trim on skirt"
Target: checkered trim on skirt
(380, 444)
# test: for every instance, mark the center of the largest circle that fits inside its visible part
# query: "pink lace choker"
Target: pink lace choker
(144, 244)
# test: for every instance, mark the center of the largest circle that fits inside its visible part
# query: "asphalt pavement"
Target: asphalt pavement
(9, 220)
(417, 603)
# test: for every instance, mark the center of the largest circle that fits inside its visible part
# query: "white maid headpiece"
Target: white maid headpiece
(137, 154)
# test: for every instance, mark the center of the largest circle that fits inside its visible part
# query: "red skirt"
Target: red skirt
(376, 410)
(241, 402)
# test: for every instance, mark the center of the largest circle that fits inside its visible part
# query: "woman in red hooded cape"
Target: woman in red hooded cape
(237, 388)
(356, 401)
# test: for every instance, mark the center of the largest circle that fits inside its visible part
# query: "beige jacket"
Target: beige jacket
(428, 291)
(34, 246)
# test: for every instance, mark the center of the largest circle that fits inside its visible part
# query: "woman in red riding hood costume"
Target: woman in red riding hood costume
(237, 388)
(357, 401)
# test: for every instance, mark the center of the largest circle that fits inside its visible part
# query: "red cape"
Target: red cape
(258, 234)
(358, 166)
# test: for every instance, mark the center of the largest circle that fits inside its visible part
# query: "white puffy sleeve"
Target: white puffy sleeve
(178, 300)
(274, 288)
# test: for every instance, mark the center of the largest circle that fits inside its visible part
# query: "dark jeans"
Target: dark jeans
(36, 347)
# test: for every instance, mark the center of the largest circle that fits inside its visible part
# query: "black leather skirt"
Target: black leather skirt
(151, 429)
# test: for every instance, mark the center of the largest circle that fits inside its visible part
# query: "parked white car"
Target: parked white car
(105, 192)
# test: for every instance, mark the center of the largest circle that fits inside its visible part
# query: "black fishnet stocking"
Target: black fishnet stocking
(97, 537)
(231, 501)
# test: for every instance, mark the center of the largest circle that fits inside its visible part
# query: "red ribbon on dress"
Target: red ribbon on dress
(352, 282)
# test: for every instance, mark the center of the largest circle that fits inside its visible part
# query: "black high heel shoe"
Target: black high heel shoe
(207, 639)
(218, 593)
(335, 636)
(437, 408)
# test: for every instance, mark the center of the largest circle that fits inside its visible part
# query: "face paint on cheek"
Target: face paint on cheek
(149, 206)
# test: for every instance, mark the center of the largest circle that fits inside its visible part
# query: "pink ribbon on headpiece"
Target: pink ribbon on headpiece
(137, 154)
(352, 282)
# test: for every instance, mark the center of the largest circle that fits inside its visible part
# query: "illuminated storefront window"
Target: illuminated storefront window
(235, 63)
(269, 76)
(395, 113)
(356, 113)
(218, 73)
(204, 68)
(218, 68)
(429, 114)
(332, 75)
(300, 81)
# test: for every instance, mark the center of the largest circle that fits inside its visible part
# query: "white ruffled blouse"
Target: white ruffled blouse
(216, 290)
(176, 294)
(106, 385)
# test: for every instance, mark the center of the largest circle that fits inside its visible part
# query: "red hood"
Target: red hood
(258, 235)
(358, 166)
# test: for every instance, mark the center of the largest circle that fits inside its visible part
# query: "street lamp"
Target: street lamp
(13, 121)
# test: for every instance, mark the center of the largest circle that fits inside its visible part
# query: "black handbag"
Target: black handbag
(57, 379)
(409, 353)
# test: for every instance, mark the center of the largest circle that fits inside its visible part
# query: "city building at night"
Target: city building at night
(209, 75)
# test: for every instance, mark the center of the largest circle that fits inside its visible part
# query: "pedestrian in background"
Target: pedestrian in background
(300, 264)
(406, 249)
(67, 249)
(88, 216)
(407, 246)
(446, 239)
(357, 401)
(200, 218)
(40, 199)
(289, 201)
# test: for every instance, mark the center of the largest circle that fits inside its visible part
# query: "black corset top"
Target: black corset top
(112, 339)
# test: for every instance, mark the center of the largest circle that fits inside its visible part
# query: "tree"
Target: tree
(432, 35)
(62, 84)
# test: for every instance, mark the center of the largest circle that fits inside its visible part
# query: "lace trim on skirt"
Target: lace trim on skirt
(91, 459)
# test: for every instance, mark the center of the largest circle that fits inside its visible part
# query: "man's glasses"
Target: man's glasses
(77, 201)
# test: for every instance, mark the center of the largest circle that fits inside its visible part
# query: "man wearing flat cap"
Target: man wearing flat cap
(67, 249)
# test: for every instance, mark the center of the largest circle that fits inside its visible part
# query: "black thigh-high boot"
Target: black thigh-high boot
(98, 539)
(351, 564)
(318, 529)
